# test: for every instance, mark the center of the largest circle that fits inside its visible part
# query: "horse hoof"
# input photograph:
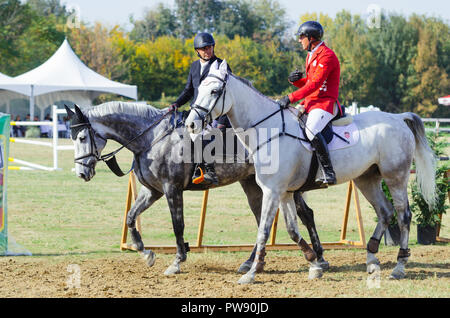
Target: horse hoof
(324, 265)
(372, 268)
(315, 271)
(172, 270)
(397, 275)
(244, 268)
(246, 279)
(150, 258)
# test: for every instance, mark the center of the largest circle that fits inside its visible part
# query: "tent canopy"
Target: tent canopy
(64, 71)
(11, 84)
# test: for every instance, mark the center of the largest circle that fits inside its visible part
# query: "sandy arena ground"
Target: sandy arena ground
(214, 275)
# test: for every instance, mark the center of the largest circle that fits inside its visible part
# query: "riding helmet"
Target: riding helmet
(203, 39)
(311, 29)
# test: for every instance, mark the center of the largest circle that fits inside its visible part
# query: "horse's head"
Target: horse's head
(211, 101)
(88, 144)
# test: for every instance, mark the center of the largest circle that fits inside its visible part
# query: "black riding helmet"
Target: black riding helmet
(311, 29)
(202, 40)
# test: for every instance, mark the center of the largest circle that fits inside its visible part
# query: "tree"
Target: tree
(97, 49)
(272, 20)
(197, 16)
(15, 18)
(429, 79)
(237, 18)
(49, 7)
(156, 23)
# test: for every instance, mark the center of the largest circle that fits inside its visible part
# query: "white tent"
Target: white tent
(11, 84)
(65, 76)
(11, 89)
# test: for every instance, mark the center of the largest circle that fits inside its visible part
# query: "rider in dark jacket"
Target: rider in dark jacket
(204, 45)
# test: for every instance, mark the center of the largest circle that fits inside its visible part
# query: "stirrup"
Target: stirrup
(200, 179)
(323, 181)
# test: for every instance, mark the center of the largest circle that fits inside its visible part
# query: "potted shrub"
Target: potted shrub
(427, 220)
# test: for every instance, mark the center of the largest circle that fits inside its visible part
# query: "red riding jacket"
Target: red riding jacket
(320, 88)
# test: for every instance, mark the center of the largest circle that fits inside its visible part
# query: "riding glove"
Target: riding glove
(295, 76)
(284, 102)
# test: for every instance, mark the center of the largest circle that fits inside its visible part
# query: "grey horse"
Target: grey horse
(160, 164)
(387, 146)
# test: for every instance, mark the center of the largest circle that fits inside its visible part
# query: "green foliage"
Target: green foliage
(423, 215)
(388, 195)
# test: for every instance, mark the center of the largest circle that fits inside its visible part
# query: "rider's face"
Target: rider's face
(206, 52)
(304, 41)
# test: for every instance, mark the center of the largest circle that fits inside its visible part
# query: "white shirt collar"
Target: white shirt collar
(312, 52)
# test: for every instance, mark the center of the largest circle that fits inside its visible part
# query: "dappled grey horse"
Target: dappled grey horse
(161, 167)
(387, 145)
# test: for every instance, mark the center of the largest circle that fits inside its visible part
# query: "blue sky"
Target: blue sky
(111, 12)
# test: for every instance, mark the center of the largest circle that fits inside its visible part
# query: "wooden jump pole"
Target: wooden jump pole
(343, 243)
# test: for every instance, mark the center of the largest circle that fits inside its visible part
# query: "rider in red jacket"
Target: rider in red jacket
(319, 89)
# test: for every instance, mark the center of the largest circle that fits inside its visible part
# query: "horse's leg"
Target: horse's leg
(254, 198)
(174, 197)
(144, 200)
(399, 195)
(306, 215)
(370, 186)
(271, 200)
(288, 208)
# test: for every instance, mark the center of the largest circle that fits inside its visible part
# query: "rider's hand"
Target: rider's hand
(295, 76)
(301, 110)
(284, 102)
(173, 107)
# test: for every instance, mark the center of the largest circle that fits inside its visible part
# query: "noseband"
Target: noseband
(207, 117)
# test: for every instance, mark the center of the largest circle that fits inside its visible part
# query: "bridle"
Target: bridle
(110, 158)
(207, 117)
(93, 146)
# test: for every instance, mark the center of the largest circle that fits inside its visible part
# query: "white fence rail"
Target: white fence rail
(438, 122)
(53, 144)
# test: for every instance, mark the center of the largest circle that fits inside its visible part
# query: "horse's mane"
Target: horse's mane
(250, 85)
(110, 108)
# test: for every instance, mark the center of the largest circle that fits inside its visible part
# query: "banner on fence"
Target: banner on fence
(4, 152)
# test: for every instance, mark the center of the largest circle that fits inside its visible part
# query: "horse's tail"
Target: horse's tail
(424, 158)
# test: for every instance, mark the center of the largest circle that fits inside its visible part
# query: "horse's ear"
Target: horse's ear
(223, 68)
(78, 112)
(69, 112)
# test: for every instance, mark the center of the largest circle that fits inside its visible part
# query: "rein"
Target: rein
(110, 158)
(282, 133)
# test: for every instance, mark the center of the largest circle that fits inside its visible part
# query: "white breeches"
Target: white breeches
(316, 122)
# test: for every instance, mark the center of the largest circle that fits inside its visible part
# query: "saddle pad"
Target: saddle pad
(348, 132)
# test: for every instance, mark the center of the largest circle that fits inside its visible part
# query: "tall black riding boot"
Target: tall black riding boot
(319, 144)
(210, 173)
